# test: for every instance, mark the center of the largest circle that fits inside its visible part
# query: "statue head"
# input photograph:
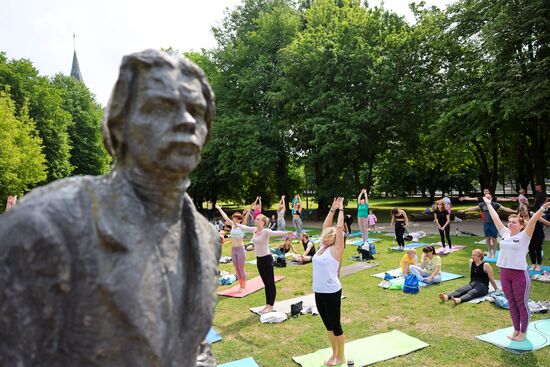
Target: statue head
(160, 113)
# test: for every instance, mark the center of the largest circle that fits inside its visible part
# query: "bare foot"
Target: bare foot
(329, 361)
(456, 301)
(514, 334)
(242, 290)
(443, 297)
(538, 268)
(532, 267)
(336, 362)
(520, 337)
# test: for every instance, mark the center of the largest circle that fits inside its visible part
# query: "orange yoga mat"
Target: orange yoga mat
(252, 285)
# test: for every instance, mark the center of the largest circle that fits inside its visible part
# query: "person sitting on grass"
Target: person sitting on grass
(407, 260)
(481, 273)
(285, 247)
(309, 250)
(430, 270)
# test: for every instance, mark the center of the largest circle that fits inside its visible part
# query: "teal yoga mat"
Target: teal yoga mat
(492, 259)
(538, 336)
(360, 242)
(213, 336)
(368, 350)
(411, 245)
(245, 362)
(544, 268)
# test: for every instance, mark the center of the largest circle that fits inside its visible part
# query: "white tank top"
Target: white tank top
(325, 273)
(236, 232)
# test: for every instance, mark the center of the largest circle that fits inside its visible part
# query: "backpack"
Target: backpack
(372, 249)
(280, 262)
(296, 308)
(411, 284)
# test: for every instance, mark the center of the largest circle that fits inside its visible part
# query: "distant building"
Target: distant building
(75, 69)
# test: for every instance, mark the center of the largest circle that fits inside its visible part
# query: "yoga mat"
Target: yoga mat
(368, 350)
(213, 336)
(252, 285)
(444, 277)
(245, 362)
(492, 259)
(392, 272)
(284, 306)
(354, 268)
(538, 336)
(360, 242)
(397, 272)
(544, 268)
(484, 298)
(355, 234)
(411, 245)
(439, 251)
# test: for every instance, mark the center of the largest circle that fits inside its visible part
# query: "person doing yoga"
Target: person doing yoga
(514, 276)
(297, 214)
(264, 260)
(281, 224)
(401, 221)
(363, 214)
(326, 284)
(309, 250)
(238, 253)
(442, 219)
(430, 269)
(481, 273)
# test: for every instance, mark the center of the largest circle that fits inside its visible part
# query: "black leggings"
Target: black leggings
(535, 247)
(399, 231)
(328, 305)
(265, 268)
(447, 231)
(470, 291)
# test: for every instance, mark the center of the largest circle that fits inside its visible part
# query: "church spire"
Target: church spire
(75, 70)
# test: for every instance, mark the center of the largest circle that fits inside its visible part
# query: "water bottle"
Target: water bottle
(350, 363)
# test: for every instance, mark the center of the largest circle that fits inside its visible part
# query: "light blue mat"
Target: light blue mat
(213, 336)
(538, 336)
(444, 277)
(491, 259)
(360, 242)
(411, 245)
(245, 362)
(544, 268)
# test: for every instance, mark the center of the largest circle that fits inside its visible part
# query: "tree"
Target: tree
(88, 154)
(45, 109)
(22, 163)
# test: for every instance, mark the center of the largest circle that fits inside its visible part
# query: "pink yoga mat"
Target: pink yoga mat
(439, 251)
(252, 285)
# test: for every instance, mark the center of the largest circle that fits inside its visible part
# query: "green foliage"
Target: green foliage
(88, 154)
(44, 107)
(22, 163)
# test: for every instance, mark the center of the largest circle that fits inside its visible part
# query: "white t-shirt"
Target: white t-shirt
(513, 250)
(325, 273)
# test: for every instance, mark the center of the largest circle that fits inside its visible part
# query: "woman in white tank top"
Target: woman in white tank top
(326, 285)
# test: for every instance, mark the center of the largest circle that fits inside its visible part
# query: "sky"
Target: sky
(106, 30)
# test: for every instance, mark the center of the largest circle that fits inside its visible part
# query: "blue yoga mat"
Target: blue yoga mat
(360, 242)
(355, 234)
(538, 336)
(213, 336)
(411, 245)
(245, 362)
(444, 277)
(491, 259)
(544, 268)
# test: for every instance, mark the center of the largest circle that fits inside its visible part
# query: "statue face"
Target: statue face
(165, 129)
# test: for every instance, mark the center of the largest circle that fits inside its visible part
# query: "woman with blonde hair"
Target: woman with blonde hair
(238, 253)
(481, 273)
(514, 276)
(264, 260)
(326, 285)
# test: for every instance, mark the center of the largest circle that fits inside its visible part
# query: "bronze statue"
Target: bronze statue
(118, 270)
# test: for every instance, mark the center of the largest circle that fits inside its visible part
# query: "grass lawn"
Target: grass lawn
(368, 310)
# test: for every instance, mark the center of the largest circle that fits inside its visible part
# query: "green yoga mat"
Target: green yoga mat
(368, 350)
(538, 336)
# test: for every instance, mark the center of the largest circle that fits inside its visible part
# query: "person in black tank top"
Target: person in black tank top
(401, 221)
(481, 273)
(309, 250)
(442, 219)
